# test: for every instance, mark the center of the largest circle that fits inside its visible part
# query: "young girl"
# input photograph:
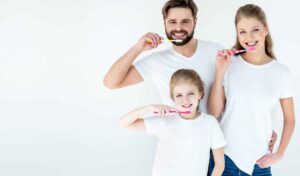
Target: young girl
(185, 138)
(246, 90)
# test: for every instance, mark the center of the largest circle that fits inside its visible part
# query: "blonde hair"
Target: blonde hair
(186, 75)
(254, 11)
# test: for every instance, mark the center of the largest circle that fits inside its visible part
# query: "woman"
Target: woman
(247, 87)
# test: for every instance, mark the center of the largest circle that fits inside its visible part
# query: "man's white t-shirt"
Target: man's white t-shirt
(184, 145)
(252, 92)
(159, 67)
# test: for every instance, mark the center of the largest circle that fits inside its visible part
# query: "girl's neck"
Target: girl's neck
(192, 116)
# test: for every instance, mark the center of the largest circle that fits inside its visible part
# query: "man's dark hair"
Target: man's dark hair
(180, 4)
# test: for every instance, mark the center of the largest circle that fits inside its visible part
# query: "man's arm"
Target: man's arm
(123, 73)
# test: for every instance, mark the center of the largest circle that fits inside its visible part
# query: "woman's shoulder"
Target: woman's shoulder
(280, 65)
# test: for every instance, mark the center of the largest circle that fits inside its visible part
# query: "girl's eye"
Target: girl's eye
(255, 30)
(178, 96)
(242, 32)
(191, 93)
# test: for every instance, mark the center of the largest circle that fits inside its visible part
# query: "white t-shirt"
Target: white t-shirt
(252, 92)
(184, 145)
(159, 67)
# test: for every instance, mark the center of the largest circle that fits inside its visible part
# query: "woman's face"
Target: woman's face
(251, 34)
(186, 96)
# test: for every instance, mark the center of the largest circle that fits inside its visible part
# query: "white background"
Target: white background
(56, 117)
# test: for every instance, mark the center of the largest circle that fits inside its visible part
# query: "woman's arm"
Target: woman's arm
(135, 118)
(287, 106)
(216, 99)
(218, 155)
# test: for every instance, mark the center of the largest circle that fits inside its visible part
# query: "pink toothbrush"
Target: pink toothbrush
(179, 112)
(244, 50)
(241, 51)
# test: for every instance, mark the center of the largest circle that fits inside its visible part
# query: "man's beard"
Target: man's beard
(184, 40)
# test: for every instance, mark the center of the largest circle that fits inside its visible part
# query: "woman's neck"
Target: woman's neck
(257, 58)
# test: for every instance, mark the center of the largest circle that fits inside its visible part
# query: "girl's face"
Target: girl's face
(251, 33)
(186, 96)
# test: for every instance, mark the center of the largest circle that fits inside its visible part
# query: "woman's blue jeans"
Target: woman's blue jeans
(232, 170)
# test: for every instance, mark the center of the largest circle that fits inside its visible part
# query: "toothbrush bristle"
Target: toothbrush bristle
(177, 40)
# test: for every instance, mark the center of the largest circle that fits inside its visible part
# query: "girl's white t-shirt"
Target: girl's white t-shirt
(184, 145)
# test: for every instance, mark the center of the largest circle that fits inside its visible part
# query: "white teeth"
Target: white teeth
(178, 34)
(187, 106)
(251, 44)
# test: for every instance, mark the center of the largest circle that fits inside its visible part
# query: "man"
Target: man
(180, 19)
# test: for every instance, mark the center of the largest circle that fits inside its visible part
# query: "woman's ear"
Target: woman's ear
(266, 31)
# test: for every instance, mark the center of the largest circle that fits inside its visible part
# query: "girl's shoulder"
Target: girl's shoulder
(209, 118)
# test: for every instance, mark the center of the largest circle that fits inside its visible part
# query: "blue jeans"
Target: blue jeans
(232, 170)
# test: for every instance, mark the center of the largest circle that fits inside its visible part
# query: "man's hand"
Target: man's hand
(272, 141)
(149, 41)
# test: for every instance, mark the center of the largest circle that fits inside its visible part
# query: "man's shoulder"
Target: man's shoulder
(209, 44)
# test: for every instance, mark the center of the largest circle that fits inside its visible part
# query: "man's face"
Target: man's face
(180, 24)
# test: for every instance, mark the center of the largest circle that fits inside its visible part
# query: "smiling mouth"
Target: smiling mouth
(251, 44)
(187, 106)
(179, 35)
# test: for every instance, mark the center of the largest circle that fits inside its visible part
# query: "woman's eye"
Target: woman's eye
(178, 96)
(255, 30)
(242, 32)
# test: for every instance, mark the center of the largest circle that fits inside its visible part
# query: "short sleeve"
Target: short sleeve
(287, 90)
(153, 125)
(217, 137)
(145, 66)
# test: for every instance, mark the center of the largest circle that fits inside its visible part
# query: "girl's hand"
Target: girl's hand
(162, 110)
(223, 60)
(268, 159)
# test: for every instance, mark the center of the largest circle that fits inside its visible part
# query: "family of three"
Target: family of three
(216, 112)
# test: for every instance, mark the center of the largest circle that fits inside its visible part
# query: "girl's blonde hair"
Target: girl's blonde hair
(186, 75)
(254, 11)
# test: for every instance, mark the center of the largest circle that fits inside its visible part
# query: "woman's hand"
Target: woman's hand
(268, 159)
(223, 60)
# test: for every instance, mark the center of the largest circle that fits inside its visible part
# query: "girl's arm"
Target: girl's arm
(216, 99)
(218, 155)
(287, 106)
(135, 118)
